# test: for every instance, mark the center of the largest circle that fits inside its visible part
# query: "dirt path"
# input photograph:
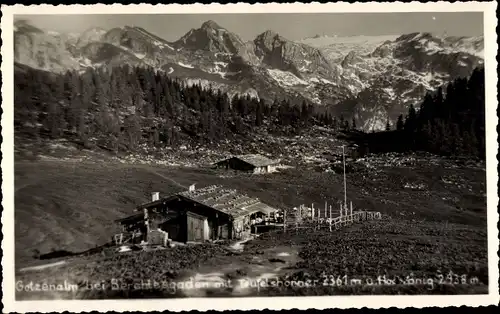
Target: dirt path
(242, 274)
(22, 186)
(165, 177)
(40, 267)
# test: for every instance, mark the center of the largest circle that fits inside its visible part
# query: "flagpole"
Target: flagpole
(345, 186)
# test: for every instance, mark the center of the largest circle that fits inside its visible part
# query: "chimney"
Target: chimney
(155, 196)
(191, 188)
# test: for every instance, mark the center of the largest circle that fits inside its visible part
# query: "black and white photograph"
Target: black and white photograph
(225, 155)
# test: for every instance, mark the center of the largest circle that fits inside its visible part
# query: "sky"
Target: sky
(293, 26)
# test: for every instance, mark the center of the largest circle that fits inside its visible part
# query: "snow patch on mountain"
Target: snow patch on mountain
(53, 33)
(325, 81)
(222, 73)
(222, 54)
(286, 78)
(139, 55)
(390, 92)
(304, 68)
(85, 62)
(380, 74)
(430, 47)
(321, 80)
(323, 41)
(337, 47)
(316, 100)
(220, 68)
(220, 63)
(185, 65)
(162, 45)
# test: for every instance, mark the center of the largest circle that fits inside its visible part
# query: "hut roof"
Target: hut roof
(227, 201)
(131, 219)
(256, 160)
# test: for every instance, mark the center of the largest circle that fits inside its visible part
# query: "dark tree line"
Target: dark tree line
(450, 121)
(122, 107)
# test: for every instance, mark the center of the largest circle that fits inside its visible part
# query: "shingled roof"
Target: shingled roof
(256, 160)
(228, 201)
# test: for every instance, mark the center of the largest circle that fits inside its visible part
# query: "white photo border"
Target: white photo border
(274, 303)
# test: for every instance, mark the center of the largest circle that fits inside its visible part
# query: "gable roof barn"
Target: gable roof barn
(255, 160)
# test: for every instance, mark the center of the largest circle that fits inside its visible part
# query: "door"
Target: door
(223, 232)
(195, 228)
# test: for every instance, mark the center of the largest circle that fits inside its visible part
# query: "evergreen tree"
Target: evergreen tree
(304, 112)
(457, 145)
(342, 122)
(93, 104)
(346, 125)
(411, 120)
(400, 123)
(425, 137)
(259, 114)
(55, 120)
(132, 129)
(335, 123)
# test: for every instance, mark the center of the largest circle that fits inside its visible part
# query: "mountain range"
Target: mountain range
(370, 78)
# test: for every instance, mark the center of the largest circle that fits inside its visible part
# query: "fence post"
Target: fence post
(346, 214)
(284, 221)
(342, 209)
(312, 212)
(316, 221)
(340, 213)
(352, 219)
(326, 206)
(330, 218)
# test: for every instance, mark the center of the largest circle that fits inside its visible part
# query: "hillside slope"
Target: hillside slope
(64, 205)
(72, 207)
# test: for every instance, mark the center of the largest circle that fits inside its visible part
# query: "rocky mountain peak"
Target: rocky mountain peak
(211, 37)
(350, 59)
(268, 37)
(286, 55)
(95, 29)
(372, 77)
(41, 50)
(90, 35)
(210, 25)
(26, 27)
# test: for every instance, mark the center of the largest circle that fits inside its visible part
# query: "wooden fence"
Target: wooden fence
(316, 218)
